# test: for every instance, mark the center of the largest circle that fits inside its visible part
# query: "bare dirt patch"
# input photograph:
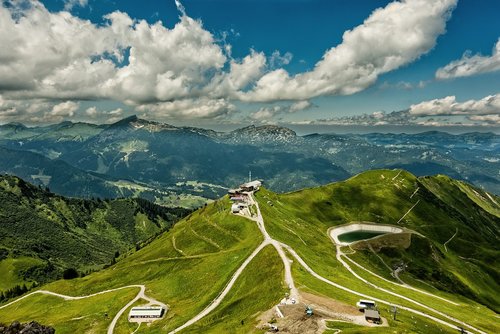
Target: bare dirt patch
(296, 320)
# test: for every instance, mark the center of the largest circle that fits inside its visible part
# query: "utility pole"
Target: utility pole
(249, 176)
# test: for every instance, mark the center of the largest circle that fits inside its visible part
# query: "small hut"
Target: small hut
(372, 316)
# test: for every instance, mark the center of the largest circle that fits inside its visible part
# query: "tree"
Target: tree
(70, 273)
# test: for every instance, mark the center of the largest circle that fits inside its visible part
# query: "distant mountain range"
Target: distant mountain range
(186, 165)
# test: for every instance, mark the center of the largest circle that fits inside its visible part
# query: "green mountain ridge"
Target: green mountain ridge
(444, 207)
(42, 234)
(188, 266)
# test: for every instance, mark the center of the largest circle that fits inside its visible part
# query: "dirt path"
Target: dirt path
(288, 278)
(402, 284)
(178, 250)
(294, 293)
(65, 297)
(407, 212)
(453, 236)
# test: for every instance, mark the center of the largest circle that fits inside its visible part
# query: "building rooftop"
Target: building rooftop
(374, 314)
(254, 184)
(138, 311)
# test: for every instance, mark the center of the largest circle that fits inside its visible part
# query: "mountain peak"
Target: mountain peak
(125, 121)
(263, 134)
(265, 130)
(135, 123)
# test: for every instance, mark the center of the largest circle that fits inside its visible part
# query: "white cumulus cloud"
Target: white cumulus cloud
(470, 65)
(449, 106)
(187, 109)
(269, 112)
(56, 56)
(390, 38)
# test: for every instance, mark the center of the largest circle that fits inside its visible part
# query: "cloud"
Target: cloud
(69, 4)
(470, 65)
(449, 106)
(114, 115)
(278, 60)
(180, 7)
(23, 110)
(390, 38)
(404, 85)
(373, 119)
(67, 108)
(58, 56)
(91, 112)
(187, 109)
(490, 119)
(438, 112)
(269, 112)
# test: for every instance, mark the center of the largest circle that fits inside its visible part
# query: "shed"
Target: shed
(372, 315)
(145, 312)
(235, 208)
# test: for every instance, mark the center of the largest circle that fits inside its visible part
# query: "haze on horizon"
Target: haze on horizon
(314, 66)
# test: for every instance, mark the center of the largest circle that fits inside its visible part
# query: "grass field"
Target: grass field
(90, 315)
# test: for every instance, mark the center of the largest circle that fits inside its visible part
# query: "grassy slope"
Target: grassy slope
(302, 219)
(72, 316)
(248, 298)
(215, 244)
(10, 269)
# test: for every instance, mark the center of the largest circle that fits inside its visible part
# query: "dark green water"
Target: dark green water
(358, 235)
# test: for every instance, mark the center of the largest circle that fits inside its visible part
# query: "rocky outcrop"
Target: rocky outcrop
(32, 327)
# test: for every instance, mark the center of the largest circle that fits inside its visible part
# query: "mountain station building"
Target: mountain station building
(251, 186)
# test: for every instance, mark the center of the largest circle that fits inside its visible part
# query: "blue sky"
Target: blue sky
(281, 37)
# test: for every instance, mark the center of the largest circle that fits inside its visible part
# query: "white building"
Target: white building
(251, 186)
(235, 208)
(365, 304)
(146, 312)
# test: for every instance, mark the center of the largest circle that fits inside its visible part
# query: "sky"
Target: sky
(351, 65)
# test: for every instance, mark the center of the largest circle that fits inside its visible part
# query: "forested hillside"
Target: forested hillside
(43, 235)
